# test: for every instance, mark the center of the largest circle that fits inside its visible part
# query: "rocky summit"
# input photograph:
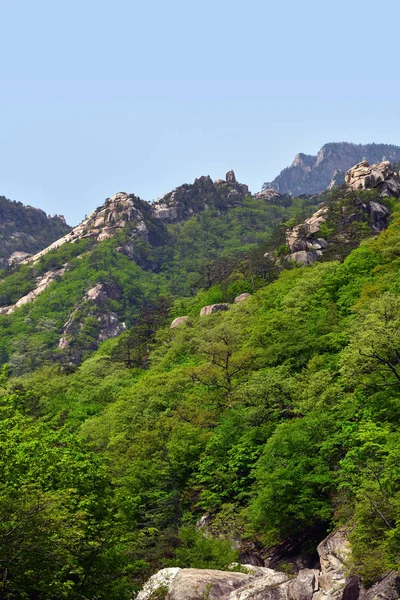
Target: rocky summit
(313, 174)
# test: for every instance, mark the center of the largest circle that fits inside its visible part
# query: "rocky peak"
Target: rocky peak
(102, 223)
(189, 199)
(230, 177)
(313, 174)
(304, 161)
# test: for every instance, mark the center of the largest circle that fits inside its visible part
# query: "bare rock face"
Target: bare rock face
(386, 588)
(269, 195)
(334, 553)
(241, 297)
(93, 303)
(178, 321)
(213, 308)
(198, 584)
(262, 586)
(337, 179)
(161, 580)
(110, 326)
(364, 176)
(17, 257)
(304, 247)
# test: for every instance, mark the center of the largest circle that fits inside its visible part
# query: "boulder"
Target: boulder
(241, 297)
(178, 321)
(163, 579)
(213, 308)
(305, 257)
(267, 586)
(269, 195)
(303, 586)
(97, 293)
(364, 176)
(198, 584)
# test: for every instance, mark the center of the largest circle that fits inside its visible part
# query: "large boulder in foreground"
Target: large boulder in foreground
(198, 584)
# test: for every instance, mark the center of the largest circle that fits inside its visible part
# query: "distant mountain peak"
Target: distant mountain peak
(310, 174)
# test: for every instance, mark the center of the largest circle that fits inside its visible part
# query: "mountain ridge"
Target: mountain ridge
(25, 229)
(312, 174)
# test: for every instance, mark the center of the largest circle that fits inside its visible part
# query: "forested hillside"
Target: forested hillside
(26, 230)
(276, 419)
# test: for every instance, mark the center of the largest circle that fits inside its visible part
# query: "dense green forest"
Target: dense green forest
(277, 417)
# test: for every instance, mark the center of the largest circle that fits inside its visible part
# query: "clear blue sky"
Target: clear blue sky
(98, 97)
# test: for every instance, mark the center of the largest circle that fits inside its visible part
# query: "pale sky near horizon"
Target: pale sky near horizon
(100, 97)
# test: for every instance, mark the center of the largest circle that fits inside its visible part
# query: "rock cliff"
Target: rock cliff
(304, 241)
(313, 174)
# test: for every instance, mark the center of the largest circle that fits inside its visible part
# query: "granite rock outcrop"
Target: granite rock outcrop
(364, 176)
(313, 174)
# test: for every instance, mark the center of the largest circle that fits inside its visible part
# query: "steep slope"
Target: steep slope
(26, 230)
(270, 419)
(265, 424)
(313, 174)
(112, 270)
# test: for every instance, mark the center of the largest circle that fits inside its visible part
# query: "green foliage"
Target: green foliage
(278, 416)
(58, 533)
(198, 551)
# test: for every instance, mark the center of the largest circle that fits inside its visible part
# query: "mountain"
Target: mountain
(112, 268)
(313, 174)
(26, 230)
(207, 380)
